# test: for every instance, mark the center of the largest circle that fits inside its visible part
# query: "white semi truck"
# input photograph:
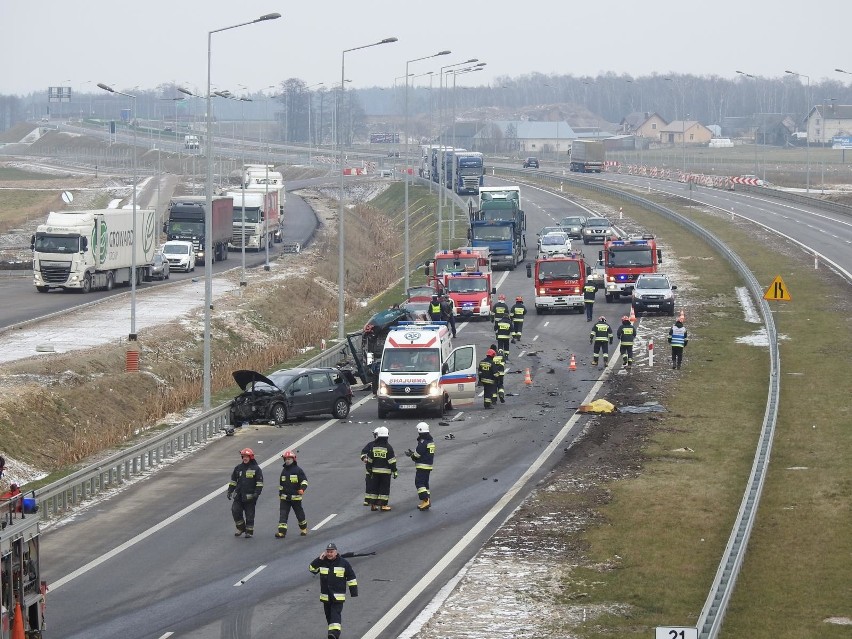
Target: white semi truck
(85, 250)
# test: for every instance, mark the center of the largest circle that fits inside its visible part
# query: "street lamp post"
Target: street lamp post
(453, 176)
(442, 179)
(208, 213)
(807, 130)
(763, 126)
(133, 274)
(407, 248)
(341, 271)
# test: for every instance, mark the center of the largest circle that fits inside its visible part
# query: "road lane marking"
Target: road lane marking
(250, 575)
(325, 521)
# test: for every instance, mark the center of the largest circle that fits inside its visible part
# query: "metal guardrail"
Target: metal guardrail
(797, 198)
(63, 495)
(713, 613)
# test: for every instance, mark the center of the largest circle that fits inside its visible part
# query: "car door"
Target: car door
(299, 396)
(459, 377)
(322, 393)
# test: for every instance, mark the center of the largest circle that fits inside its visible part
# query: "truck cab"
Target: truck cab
(420, 371)
(625, 260)
(471, 293)
(464, 259)
(559, 281)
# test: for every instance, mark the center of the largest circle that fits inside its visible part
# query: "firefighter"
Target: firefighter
(501, 309)
(487, 379)
(291, 486)
(503, 333)
(435, 309)
(499, 374)
(601, 337)
(382, 461)
(517, 313)
(678, 338)
(626, 333)
(447, 312)
(336, 575)
(245, 487)
(369, 486)
(423, 456)
(589, 291)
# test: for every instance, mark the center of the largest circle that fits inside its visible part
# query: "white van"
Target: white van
(180, 255)
(720, 143)
(421, 371)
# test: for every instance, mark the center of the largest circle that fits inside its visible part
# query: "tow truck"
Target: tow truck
(559, 281)
(21, 589)
(624, 260)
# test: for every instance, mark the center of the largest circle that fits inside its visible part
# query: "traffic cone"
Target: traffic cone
(18, 624)
(632, 315)
(573, 365)
(681, 317)
(527, 378)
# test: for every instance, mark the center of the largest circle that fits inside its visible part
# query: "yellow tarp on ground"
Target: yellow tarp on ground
(597, 406)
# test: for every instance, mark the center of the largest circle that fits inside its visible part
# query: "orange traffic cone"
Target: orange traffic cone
(632, 317)
(18, 624)
(573, 365)
(527, 378)
(681, 317)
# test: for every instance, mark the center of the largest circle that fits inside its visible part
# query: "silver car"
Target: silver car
(573, 226)
(160, 269)
(597, 229)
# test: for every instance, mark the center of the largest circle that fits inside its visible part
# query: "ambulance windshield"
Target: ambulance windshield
(411, 360)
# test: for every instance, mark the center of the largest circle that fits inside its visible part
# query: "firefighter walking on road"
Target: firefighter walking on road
(503, 333)
(589, 291)
(626, 333)
(499, 374)
(423, 456)
(291, 486)
(601, 337)
(382, 461)
(245, 487)
(447, 313)
(336, 575)
(500, 310)
(678, 338)
(517, 313)
(486, 378)
(369, 485)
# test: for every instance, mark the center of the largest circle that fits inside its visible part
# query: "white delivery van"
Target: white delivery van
(421, 371)
(180, 255)
(720, 143)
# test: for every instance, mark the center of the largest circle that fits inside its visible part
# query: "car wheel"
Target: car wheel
(168, 274)
(278, 414)
(585, 241)
(42, 289)
(439, 412)
(110, 283)
(608, 297)
(87, 284)
(340, 409)
(383, 412)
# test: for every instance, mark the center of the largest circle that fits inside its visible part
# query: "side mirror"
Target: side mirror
(529, 270)
(445, 368)
(674, 288)
(84, 244)
(426, 269)
(494, 290)
(600, 257)
(588, 270)
(660, 252)
(32, 242)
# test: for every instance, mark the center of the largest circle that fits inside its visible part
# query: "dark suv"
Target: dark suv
(290, 393)
(531, 163)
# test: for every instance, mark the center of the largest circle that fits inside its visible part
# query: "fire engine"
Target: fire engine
(464, 259)
(21, 589)
(559, 281)
(624, 260)
(471, 293)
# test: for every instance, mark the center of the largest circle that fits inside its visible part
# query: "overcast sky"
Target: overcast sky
(149, 42)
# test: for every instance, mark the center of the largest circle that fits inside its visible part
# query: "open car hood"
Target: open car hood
(244, 379)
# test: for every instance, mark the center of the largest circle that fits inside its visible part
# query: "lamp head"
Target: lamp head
(388, 40)
(103, 86)
(268, 16)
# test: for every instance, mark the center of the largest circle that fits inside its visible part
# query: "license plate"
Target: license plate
(407, 406)
(653, 305)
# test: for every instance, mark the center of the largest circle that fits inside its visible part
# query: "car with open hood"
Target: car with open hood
(290, 393)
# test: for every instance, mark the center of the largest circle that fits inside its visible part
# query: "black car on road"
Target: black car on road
(531, 163)
(290, 393)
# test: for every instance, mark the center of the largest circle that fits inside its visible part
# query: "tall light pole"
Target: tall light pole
(441, 193)
(807, 130)
(208, 212)
(408, 164)
(753, 77)
(310, 131)
(341, 271)
(683, 124)
(453, 176)
(133, 274)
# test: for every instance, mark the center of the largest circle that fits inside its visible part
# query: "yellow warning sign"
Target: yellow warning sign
(777, 291)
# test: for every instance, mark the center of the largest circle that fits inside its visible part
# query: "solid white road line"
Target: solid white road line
(325, 521)
(250, 575)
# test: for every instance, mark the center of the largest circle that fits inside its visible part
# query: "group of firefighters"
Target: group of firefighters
(508, 329)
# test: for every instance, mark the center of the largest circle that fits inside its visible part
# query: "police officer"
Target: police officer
(499, 374)
(291, 486)
(626, 333)
(245, 487)
(423, 456)
(503, 333)
(589, 291)
(382, 461)
(517, 313)
(435, 309)
(678, 338)
(447, 312)
(601, 337)
(487, 379)
(336, 575)
(501, 309)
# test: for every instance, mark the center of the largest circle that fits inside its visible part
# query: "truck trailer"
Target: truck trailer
(85, 250)
(587, 156)
(256, 219)
(186, 221)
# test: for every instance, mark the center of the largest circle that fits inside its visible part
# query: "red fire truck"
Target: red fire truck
(465, 259)
(624, 260)
(559, 282)
(471, 293)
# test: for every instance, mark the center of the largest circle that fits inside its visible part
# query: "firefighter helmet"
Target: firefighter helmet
(490, 352)
(602, 318)
(289, 454)
(247, 452)
(422, 427)
(624, 318)
(519, 299)
(382, 431)
(501, 297)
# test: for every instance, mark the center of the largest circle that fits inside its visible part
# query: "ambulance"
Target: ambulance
(420, 370)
